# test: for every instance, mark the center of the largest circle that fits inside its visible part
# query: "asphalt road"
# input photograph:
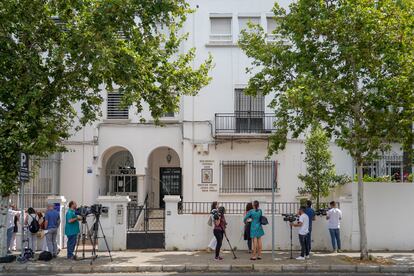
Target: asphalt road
(217, 274)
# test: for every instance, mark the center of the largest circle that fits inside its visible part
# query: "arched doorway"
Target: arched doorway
(121, 175)
(164, 175)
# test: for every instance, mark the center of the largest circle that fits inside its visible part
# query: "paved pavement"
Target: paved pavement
(179, 262)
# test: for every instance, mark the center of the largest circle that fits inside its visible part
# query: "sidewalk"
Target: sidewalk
(179, 261)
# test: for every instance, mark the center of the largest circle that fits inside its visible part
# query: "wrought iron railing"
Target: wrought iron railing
(244, 122)
(236, 208)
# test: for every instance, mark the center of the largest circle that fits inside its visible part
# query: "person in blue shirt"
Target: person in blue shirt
(52, 221)
(311, 214)
(71, 229)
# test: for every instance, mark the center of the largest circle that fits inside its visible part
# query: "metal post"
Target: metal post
(273, 210)
(22, 217)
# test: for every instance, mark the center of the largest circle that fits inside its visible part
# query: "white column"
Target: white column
(171, 224)
(141, 189)
(114, 223)
(59, 202)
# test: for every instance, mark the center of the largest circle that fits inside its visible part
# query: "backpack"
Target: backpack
(45, 256)
(34, 226)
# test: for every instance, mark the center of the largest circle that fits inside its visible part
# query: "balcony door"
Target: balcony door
(249, 112)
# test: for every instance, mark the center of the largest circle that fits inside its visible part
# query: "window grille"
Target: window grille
(248, 176)
(114, 109)
(249, 112)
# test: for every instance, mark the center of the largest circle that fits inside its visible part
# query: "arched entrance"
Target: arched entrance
(164, 175)
(121, 175)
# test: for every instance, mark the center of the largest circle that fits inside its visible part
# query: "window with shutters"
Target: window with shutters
(247, 176)
(220, 29)
(114, 108)
(249, 112)
(243, 22)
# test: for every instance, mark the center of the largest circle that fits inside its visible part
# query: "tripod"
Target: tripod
(231, 247)
(291, 241)
(93, 236)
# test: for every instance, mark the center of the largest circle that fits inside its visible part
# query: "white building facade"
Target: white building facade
(213, 149)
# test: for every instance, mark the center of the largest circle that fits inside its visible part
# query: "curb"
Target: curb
(292, 268)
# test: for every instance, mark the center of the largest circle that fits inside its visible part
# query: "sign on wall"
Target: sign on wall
(207, 176)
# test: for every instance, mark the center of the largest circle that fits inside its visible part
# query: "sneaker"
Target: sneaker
(218, 258)
(300, 258)
(339, 251)
(307, 257)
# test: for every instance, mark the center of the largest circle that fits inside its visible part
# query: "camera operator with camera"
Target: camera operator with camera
(72, 229)
(303, 223)
(219, 229)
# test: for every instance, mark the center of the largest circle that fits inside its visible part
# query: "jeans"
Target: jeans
(304, 248)
(309, 237)
(51, 241)
(335, 238)
(9, 237)
(71, 245)
(219, 237)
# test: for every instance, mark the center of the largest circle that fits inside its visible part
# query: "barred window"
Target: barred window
(114, 109)
(247, 176)
(44, 183)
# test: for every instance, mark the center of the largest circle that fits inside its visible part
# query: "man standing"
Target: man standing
(334, 216)
(71, 229)
(311, 215)
(303, 223)
(52, 221)
(10, 226)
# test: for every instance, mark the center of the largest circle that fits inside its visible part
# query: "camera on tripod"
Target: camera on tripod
(290, 217)
(322, 212)
(95, 209)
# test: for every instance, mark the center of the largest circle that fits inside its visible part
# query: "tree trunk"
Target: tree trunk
(363, 243)
(4, 207)
(318, 198)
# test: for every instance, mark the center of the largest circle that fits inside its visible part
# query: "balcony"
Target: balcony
(244, 123)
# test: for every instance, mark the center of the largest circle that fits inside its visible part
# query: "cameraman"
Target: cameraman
(71, 229)
(303, 223)
(311, 215)
(334, 216)
(219, 228)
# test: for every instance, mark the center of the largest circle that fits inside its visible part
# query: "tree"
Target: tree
(343, 63)
(55, 55)
(321, 176)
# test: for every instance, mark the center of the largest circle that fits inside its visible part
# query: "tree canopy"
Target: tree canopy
(346, 64)
(58, 54)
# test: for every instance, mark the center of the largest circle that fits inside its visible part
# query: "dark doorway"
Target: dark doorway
(170, 183)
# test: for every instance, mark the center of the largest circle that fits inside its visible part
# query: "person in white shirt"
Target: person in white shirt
(303, 223)
(10, 226)
(334, 216)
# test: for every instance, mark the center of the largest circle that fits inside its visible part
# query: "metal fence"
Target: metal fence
(252, 176)
(144, 219)
(244, 122)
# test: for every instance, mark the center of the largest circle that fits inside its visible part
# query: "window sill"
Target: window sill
(117, 121)
(227, 44)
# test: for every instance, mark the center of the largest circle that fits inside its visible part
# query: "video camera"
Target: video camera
(290, 217)
(322, 212)
(95, 209)
(217, 213)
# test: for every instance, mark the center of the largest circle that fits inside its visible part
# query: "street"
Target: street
(215, 274)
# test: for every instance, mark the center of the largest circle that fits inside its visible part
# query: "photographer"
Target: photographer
(303, 223)
(334, 216)
(71, 229)
(219, 228)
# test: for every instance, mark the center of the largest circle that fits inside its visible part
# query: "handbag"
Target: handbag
(210, 221)
(263, 220)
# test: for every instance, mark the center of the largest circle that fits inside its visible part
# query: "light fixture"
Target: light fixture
(169, 157)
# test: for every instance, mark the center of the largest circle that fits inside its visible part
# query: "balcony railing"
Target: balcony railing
(244, 122)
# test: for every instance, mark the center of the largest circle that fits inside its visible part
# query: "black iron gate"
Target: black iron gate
(146, 227)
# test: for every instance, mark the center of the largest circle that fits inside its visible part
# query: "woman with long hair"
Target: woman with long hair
(256, 230)
(247, 225)
(219, 230)
(213, 242)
